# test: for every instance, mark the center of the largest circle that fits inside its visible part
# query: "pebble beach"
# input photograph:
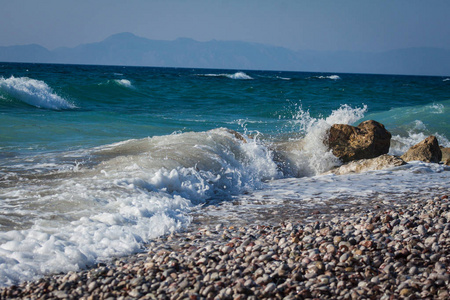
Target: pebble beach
(380, 251)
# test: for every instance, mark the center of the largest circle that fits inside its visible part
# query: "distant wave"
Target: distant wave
(446, 79)
(124, 82)
(120, 82)
(237, 75)
(333, 77)
(436, 108)
(33, 92)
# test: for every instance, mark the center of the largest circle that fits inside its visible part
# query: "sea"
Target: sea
(98, 161)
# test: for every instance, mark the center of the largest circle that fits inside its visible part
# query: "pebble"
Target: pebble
(394, 251)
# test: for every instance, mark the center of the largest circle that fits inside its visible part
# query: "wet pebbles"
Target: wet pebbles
(397, 252)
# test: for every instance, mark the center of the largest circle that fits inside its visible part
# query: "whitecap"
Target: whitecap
(332, 77)
(237, 75)
(124, 82)
(436, 108)
(34, 92)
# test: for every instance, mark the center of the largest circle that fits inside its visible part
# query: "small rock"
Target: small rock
(405, 292)
(270, 288)
(134, 293)
(92, 286)
(344, 257)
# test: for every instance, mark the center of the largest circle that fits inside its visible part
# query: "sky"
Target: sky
(324, 25)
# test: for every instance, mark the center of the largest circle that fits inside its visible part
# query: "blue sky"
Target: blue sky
(359, 25)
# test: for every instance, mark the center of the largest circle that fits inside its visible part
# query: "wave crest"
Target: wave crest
(310, 156)
(34, 92)
(237, 75)
(332, 77)
(124, 82)
(198, 166)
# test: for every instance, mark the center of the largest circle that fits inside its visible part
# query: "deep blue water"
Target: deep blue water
(112, 104)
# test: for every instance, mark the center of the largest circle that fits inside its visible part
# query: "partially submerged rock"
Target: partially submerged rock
(237, 135)
(445, 155)
(368, 140)
(427, 150)
(382, 162)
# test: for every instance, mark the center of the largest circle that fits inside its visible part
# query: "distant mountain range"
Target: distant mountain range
(131, 50)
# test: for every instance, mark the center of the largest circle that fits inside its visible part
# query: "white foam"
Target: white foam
(124, 82)
(34, 92)
(446, 79)
(135, 190)
(401, 144)
(311, 156)
(237, 75)
(332, 191)
(436, 108)
(332, 77)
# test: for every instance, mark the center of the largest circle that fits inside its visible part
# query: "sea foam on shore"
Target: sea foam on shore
(396, 250)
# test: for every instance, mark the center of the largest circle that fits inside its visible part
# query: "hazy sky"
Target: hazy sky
(368, 25)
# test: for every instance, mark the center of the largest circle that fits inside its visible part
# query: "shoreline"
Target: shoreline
(400, 249)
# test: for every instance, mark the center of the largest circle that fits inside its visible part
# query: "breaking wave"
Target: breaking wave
(309, 156)
(124, 82)
(127, 194)
(33, 92)
(332, 77)
(237, 75)
(118, 82)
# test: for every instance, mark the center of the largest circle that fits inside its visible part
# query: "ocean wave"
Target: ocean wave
(446, 79)
(409, 125)
(436, 108)
(237, 75)
(332, 77)
(118, 82)
(283, 78)
(125, 195)
(220, 160)
(417, 133)
(122, 195)
(124, 82)
(310, 156)
(33, 92)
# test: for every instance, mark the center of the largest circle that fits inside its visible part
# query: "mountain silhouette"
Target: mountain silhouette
(131, 50)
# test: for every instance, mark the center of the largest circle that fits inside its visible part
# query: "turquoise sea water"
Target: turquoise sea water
(60, 107)
(97, 160)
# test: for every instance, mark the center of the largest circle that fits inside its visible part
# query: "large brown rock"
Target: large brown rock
(427, 150)
(368, 140)
(445, 156)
